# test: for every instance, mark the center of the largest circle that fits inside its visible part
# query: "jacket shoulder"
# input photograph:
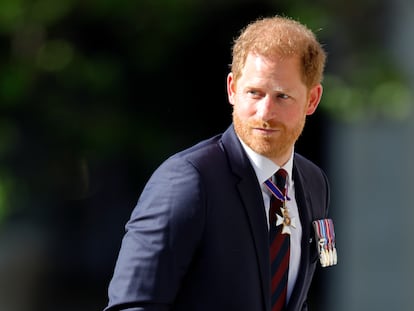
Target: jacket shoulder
(314, 181)
(307, 167)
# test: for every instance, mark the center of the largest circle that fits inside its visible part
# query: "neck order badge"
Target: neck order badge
(283, 218)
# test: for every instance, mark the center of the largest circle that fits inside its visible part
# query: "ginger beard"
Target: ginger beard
(273, 146)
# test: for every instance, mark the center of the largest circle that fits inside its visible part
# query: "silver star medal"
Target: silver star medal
(286, 221)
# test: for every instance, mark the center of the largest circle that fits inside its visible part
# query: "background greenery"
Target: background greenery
(95, 94)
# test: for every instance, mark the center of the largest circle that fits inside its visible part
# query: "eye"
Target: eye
(283, 96)
(254, 93)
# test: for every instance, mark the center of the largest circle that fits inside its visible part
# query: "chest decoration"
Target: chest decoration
(325, 237)
(284, 218)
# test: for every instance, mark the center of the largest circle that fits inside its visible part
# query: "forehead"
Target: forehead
(267, 60)
(260, 67)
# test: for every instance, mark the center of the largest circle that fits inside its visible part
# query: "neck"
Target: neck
(282, 159)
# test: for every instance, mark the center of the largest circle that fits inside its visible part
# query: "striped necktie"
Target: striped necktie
(279, 248)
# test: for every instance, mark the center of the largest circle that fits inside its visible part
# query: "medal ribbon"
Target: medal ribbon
(326, 230)
(320, 227)
(323, 229)
(276, 191)
(330, 232)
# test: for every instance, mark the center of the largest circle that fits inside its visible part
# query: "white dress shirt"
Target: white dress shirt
(265, 169)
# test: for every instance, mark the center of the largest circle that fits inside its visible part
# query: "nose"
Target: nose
(265, 109)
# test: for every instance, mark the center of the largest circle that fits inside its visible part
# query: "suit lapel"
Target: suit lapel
(251, 196)
(253, 204)
(305, 213)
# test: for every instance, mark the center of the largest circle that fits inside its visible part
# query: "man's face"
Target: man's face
(270, 104)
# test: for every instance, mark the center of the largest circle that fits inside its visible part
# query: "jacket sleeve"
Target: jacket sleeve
(160, 240)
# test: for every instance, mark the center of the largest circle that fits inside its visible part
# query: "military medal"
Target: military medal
(285, 220)
(325, 236)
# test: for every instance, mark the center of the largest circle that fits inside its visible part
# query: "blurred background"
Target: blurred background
(95, 94)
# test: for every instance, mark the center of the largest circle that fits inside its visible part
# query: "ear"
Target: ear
(315, 95)
(231, 88)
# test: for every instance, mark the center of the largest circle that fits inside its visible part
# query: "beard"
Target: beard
(273, 146)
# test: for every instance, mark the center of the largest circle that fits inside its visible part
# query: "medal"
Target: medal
(285, 220)
(325, 236)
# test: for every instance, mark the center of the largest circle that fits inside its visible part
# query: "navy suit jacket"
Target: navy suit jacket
(198, 237)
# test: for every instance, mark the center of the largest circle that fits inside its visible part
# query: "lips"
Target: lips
(265, 131)
(265, 127)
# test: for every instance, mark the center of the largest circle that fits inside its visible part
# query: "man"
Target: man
(198, 238)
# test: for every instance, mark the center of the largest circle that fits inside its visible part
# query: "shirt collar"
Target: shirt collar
(264, 167)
